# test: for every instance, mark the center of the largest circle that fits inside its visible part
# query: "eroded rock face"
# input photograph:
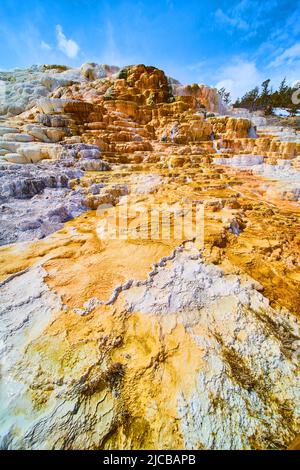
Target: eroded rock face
(37, 199)
(22, 88)
(231, 128)
(122, 337)
(207, 96)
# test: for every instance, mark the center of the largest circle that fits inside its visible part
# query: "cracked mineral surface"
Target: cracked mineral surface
(147, 337)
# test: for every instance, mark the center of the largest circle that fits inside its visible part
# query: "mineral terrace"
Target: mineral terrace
(145, 342)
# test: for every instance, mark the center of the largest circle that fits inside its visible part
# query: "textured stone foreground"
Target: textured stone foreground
(187, 342)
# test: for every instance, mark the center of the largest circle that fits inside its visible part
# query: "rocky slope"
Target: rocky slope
(164, 337)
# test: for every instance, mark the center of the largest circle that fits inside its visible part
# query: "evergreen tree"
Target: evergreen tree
(225, 95)
(249, 100)
(283, 87)
(268, 99)
(264, 100)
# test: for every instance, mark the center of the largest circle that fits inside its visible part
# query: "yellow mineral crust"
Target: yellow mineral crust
(137, 374)
(151, 341)
(145, 379)
(267, 247)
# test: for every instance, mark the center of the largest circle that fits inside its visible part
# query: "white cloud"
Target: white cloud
(234, 21)
(69, 47)
(238, 77)
(246, 15)
(45, 46)
(288, 56)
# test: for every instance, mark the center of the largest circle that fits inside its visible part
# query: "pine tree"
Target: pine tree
(268, 99)
(264, 100)
(249, 99)
(225, 95)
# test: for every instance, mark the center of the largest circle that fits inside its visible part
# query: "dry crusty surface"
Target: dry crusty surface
(153, 343)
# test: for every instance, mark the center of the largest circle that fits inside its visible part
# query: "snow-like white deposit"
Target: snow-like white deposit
(247, 375)
(287, 176)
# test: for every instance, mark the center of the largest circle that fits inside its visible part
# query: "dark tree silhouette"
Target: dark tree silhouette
(225, 95)
(267, 99)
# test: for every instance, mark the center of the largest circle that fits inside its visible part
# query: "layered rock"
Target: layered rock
(37, 199)
(231, 128)
(140, 332)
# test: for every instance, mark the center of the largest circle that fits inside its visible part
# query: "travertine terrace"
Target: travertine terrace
(145, 342)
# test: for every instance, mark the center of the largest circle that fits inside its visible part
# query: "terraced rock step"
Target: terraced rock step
(149, 265)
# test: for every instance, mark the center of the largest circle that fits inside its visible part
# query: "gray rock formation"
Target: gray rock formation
(21, 88)
(35, 200)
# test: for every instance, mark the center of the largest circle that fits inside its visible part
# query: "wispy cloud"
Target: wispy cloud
(288, 56)
(279, 54)
(246, 15)
(68, 46)
(44, 45)
(239, 76)
(26, 45)
(233, 20)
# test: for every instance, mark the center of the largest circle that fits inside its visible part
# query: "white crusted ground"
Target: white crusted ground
(249, 388)
(246, 392)
(71, 417)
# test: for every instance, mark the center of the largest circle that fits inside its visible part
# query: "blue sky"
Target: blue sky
(235, 43)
